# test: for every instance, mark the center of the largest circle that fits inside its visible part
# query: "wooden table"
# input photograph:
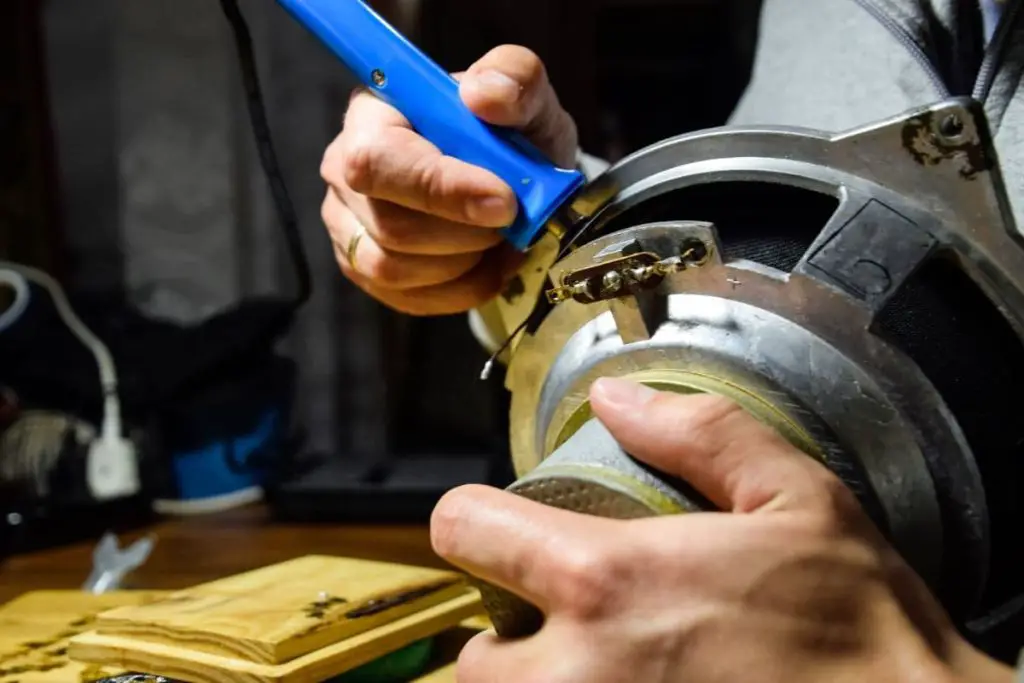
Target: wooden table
(194, 550)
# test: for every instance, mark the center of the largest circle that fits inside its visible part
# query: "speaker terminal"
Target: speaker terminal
(626, 275)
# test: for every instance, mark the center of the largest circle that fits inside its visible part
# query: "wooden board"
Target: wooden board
(304, 620)
(35, 630)
(36, 627)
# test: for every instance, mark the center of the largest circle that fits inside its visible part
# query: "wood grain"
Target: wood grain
(275, 614)
(201, 667)
(36, 628)
(194, 550)
(306, 619)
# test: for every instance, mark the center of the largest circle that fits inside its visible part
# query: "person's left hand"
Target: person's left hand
(792, 584)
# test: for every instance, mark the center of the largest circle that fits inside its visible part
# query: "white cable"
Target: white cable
(108, 374)
(22, 295)
(112, 466)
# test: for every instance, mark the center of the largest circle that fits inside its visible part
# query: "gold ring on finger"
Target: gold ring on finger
(353, 245)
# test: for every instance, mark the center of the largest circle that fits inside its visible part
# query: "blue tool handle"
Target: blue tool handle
(404, 77)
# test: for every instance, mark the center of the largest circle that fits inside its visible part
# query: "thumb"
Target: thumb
(509, 87)
(736, 461)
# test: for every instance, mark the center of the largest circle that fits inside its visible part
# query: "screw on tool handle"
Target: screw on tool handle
(404, 77)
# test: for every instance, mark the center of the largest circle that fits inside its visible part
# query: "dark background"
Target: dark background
(127, 168)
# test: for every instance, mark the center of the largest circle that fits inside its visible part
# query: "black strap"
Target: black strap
(268, 157)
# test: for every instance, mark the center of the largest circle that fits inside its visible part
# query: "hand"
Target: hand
(793, 584)
(431, 245)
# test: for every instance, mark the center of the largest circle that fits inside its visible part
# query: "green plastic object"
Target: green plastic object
(401, 666)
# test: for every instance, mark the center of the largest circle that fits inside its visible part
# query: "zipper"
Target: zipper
(907, 40)
(990, 63)
(995, 50)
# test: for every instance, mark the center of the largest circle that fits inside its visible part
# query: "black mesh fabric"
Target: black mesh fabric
(976, 362)
(940, 320)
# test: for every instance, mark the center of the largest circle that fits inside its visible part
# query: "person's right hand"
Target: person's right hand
(431, 244)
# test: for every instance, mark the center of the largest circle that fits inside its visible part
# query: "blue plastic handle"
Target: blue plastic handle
(404, 77)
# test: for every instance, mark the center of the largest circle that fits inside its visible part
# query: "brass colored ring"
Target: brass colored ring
(691, 382)
(353, 245)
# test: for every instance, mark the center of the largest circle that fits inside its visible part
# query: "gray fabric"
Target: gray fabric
(991, 11)
(836, 67)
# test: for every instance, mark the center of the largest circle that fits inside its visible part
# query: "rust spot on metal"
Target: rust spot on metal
(514, 289)
(923, 139)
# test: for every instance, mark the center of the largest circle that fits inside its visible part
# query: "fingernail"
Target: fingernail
(497, 84)
(624, 393)
(490, 211)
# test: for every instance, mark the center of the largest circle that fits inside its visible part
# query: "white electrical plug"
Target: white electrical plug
(112, 469)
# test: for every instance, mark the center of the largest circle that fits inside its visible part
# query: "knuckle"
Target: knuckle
(391, 232)
(330, 215)
(520, 63)
(589, 581)
(331, 160)
(327, 167)
(840, 506)
(829, 509)
(389, 236)
(527, 62)
(381, 267)
(325, 209)
(359, 164)
(431, 179)
(705, 415)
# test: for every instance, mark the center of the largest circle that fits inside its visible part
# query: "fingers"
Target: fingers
(733, 459)
(509, 86)
(431, 244)
(380, 156)
(487, 658)
(473, 289)
(558, 560)
(398, 229)
(392, 269)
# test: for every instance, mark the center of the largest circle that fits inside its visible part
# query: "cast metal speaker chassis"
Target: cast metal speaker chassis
(918, 186)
